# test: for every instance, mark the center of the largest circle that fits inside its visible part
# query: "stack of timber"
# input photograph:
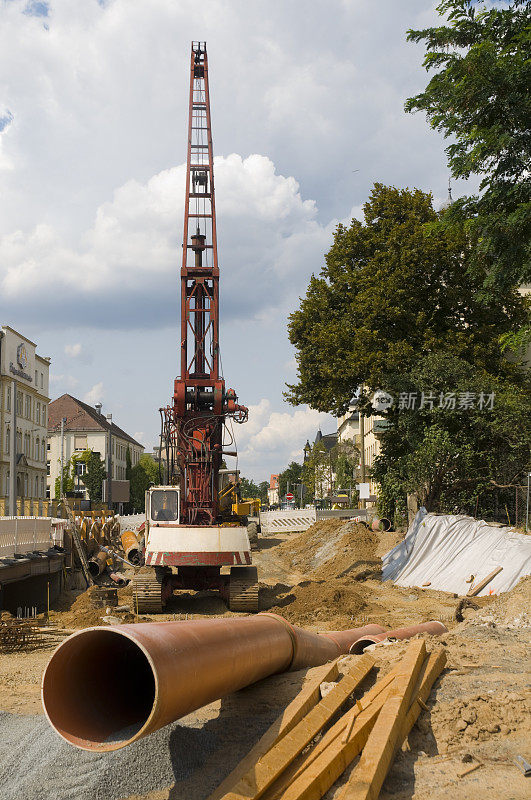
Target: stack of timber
(296, 760)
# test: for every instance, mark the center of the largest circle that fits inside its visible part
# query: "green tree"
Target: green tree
(391, 292)
(68, 479)
(480, 99)
(251, 489)
(316, 470)
(95, 474)
(142, 475)
(469, 439)
(292, 475)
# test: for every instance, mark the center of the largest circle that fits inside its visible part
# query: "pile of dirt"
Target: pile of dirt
(509, 610)
(478, 718)
(334, 548)
(336, 604)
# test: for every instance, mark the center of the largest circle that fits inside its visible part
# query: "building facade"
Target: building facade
(24, 401)
(349, 428)
(273, 492)
(86, 428)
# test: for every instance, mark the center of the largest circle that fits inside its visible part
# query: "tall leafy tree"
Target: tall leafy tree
(142, 475)
(94, 475)
(393, 290)
(460, 435)
(291, 476)
(479, 98)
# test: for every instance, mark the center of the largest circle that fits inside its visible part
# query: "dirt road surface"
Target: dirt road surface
(327, 578)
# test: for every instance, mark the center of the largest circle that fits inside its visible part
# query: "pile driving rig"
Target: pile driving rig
(191, 531)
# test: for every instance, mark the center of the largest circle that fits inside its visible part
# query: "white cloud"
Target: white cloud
(270, 243)
(95, 395)
(73, 350)
(271, 439)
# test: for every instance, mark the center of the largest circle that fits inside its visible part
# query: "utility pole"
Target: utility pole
(527, 504)
(109, 464)
(363, 502)
(63, 420)
(13, 453)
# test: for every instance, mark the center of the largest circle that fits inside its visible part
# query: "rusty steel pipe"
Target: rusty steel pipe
(97, 563)
(434, 627)
(131, 546)
(118, 578)
(157, 672)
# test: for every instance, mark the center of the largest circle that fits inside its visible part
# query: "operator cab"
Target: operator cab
(163, 505)
(226, 476)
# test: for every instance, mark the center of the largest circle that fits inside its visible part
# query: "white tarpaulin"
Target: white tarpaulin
(445, 550)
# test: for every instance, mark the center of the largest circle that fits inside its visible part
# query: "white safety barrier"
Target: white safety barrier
(284, 521)
(24, 534)
(445, 550)
(130, 522)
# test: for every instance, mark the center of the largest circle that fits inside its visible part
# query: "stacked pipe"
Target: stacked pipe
(132, 549)
(162, 671)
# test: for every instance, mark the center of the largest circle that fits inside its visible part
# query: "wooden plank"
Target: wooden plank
(272, 764)
(390, 731)
(368, 776)
(307, 698)
(324, 771)
(340, 732)
(481, 585)
(323, 768)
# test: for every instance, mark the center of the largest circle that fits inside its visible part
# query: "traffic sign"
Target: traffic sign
(290, 497)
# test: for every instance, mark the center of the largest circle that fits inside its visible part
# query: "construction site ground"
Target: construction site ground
(327, 578)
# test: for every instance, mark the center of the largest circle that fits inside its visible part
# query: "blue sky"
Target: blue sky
(307, 108)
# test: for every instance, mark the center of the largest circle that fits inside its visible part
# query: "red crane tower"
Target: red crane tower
(201, 404)
(194, 527)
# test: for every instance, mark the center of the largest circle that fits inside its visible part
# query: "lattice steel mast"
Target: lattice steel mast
(193, 424)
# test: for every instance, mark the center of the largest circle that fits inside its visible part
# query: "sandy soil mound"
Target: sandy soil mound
(510, 609)
(317, 602)
(333, 548)
(478, 717)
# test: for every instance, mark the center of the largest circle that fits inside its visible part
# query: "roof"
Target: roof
(82, 417)
(328, 440)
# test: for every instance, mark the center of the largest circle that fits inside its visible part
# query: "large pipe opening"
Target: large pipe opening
(98, 690)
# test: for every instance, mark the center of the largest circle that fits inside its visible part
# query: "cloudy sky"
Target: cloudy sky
(307, 107)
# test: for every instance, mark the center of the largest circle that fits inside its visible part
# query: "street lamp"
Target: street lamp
(109, 463)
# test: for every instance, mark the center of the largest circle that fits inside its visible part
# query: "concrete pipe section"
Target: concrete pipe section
(107, 687)
(434, 628)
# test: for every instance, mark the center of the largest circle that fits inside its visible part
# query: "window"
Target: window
(38, 415)
(48, 447)
(42, 381)
(36, 378)
(25, 485)
(37, 448)
(20, 400)
(28, 407)
(80, 442)
(81, 468)
(47, 492)
(7, 482)
(43, 450)
(42, 487)
(43, 419)
(19, 441)
(47, 467)
(8, 439)
(8, 393)
(36, 487)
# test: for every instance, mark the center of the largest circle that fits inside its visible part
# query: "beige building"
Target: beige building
(87, 428)
(24, 377)
(348, 428)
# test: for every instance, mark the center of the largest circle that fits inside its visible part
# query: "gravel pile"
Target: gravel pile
(36, 764)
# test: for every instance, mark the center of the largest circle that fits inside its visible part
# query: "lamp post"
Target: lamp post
(109, 463)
